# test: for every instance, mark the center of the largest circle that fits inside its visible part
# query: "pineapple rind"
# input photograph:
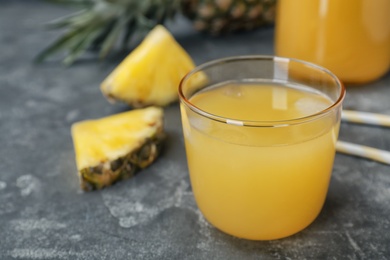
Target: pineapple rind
(225, 16)
(110, 172)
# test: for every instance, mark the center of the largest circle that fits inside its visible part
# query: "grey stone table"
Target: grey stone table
(43, 214)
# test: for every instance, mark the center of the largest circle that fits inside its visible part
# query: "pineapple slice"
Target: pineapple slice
(116, 147)
(149, 75)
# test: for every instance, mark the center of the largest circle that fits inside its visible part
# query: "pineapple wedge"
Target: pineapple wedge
(151, 73)
(116, 147)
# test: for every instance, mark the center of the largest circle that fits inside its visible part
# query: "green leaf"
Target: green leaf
(68, 40)
(79, 49)
(113, 36)
(102, 22)
(73, 2)
(129, 31)
(73, 20)
(145, 22)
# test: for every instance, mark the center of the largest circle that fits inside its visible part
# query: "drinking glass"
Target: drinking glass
(259, 174)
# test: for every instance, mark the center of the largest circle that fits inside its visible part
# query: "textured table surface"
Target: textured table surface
(43, 214)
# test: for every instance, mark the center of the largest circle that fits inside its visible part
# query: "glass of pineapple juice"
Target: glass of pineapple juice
(260, 135)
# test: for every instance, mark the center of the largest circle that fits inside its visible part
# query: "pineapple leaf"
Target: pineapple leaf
(144, 22)
(66, 41)
(113, 36)
(112, 18)
(73, 2)
(78, 49)
(97, 43)
(129, 31)
(73, 20)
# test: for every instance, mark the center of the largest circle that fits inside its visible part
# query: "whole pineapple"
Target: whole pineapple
(102, 22)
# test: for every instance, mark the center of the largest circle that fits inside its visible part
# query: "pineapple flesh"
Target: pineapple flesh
(116, 147)
(151, 73)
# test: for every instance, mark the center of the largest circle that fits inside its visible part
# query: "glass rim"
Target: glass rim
(259, 123)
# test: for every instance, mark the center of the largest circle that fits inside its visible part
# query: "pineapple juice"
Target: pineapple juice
(260, 183)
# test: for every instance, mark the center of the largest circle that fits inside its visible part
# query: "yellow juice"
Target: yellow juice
(260, 183)
(349, 37)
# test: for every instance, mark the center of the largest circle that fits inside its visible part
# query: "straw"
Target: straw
(365, 118)
(363, 151)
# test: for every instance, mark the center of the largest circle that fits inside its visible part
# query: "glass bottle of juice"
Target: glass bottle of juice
(349, 37)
